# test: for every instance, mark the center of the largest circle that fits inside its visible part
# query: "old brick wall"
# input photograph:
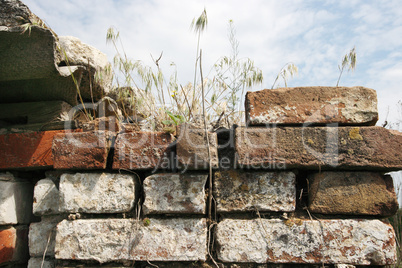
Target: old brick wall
(300, 186)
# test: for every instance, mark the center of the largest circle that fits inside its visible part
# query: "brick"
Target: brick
(39, 235)
(352, 193)
(367, 148)
(307, 105)
(46, 198)
(239, 191)
(357, 242)
(192, 148)
(85, 150)
(174, 193)
(14, 244)
(37, 262)
(27, 150)
(98, 192)
(15, 200)
(142, 150)
(127, 239)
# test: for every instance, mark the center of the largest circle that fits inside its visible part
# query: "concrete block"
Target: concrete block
(239, 191)
(356, 242)
(37, 263)
(46, 198)
(42, 236)
(97, 192)
(174, 193)
(107, 240)
(15, 200)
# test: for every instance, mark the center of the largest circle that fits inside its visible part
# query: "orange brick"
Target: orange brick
(14, 245)
(85, 150)
(27, 150)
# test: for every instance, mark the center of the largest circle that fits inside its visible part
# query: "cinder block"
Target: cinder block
(356, 242)
(37, 263)
(14, 245)
(174, 193)
(42, 236)
(352, 193)
(46, 198)
(142, 150)
(239, 191)
(307, 105)
(364, 148)
(97, 192)
(84, 150)
(15, 200)
(107, 240)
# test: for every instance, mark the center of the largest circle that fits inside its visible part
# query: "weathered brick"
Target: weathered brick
(46, 198)
(97, 192)
(15, 200)
(369, 148)
(27, 150)
(126, 239)
(237, 190)
(353, 193)
(14, 245)
(358, 242)
(142, 150)
(174, 193)
(37, 262)
(192, 148)
(323, 105)
(85, 150)
(39, 235)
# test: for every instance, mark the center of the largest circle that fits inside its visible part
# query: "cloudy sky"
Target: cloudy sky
(314, 35)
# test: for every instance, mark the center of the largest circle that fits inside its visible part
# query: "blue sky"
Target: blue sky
(314, 35)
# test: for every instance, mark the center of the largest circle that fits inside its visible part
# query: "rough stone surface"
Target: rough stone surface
(323, 105)
(27, 150)
(369, 148)
(192, 149)
(15, 200)
(85, 150)
(97, 192)
(174, 193)
(39, 235)
(353, 193)
(99, 68)
(126, 239)
(46, 198)
(37, 262)
(236, 190)
(14, 245)
(357, 242)
(142, 150)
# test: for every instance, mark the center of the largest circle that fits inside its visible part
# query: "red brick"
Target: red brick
(323, 105)
(192, 148)
(27, 150)
(364, 148)
(14, 245)
(85, 150)
(142, 150)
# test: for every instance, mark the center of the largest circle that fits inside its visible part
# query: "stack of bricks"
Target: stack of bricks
(301, 186)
